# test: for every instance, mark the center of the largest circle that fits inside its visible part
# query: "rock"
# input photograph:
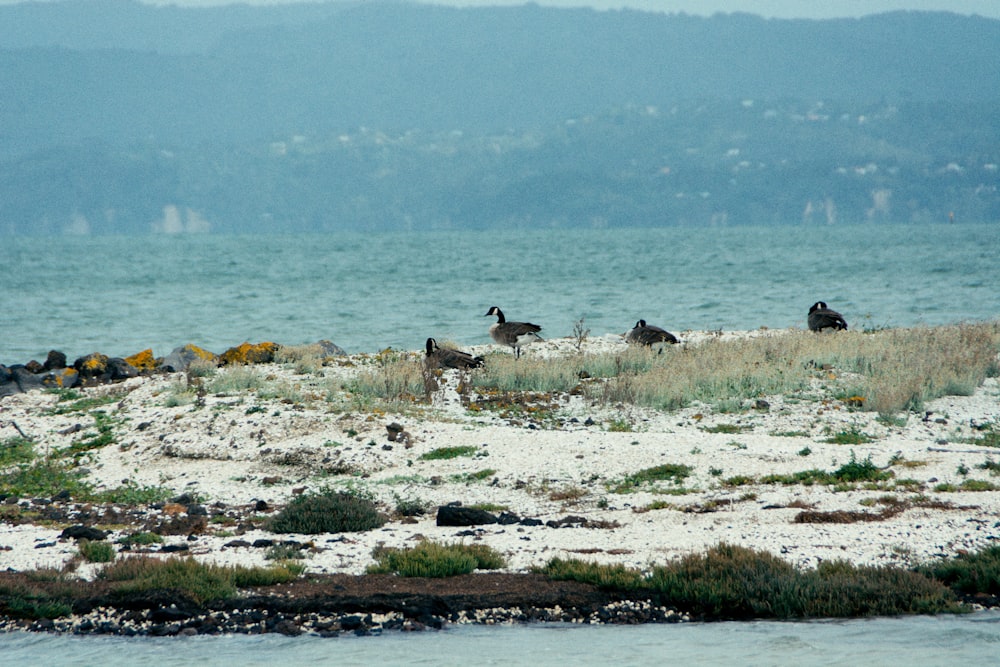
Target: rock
(55, 360)
(79, 532)
(246, 353)
(330, 349)
(181, 358)
(452, 515)
(119, 369)
(92, 368)
(144, 361)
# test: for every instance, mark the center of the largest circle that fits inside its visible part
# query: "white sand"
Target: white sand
(225, 455)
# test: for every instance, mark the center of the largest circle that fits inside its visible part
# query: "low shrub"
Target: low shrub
(432, 559)
(607, 577)
(201, 582)
(327, 511)
(97, 551)
(968, 573)
(732, 582)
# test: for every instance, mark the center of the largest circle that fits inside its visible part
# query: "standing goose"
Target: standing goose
(446, 358)
(647, 334)
(821, 317)
(514, 334)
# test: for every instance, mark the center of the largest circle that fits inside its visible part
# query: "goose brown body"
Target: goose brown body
(647, 334)
(438, 357)
(513, 334)
(821, 317)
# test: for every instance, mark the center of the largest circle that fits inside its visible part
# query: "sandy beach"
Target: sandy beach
(232, 450)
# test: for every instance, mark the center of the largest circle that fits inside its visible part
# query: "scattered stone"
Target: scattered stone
(453, 515)
(82, 533)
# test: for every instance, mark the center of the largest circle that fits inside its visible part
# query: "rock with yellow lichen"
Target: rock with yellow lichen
(248, 353)
(144, 361)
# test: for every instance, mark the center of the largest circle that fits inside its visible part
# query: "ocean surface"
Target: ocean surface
(920, 641)
(122, 295)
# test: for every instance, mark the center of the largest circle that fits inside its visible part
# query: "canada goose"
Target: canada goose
(647, 334)
(514, 334)
(821, 317)
(446, 358)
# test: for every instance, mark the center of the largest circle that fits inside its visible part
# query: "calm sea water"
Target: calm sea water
(916, 642)
(367, 292)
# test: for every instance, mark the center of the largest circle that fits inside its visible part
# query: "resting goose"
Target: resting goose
(446, 358)
(514, 334)
(647, 334)
(821, 317)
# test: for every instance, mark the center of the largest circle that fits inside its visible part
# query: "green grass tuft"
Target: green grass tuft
(442, 453)
(668, 472)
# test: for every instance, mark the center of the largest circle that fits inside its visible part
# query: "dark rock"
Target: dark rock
(236, 543)
(169, 615)
(82, 533)
(508, 519)
(181, 358)
(451, 515)
(531, 522)
(34, 367)
(174, 548)
(288, 628)
(330, 349)
(119, 369)
(260, 506)
(197, 510)
(352, 622)
(18, 380)
(61, 378)
(93, 368)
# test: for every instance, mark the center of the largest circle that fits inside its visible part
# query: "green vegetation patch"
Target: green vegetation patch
(442, 453)
(432, 559)
(327, 511)
(71, 400)
(727, 428)
(668, 472)
(16, 450)
(849, 436)
(201, 582)
(97, 551)
(968, 573)
(852, 472)
(45, 478)
(732, 582)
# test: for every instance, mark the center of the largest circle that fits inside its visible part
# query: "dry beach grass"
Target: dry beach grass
(874, 448)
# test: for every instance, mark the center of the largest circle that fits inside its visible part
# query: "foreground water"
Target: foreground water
(914, 641)
(368, 292)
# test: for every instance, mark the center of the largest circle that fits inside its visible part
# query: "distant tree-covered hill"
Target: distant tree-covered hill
(117, 117)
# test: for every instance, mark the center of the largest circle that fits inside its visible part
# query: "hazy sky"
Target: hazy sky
(778, 8)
